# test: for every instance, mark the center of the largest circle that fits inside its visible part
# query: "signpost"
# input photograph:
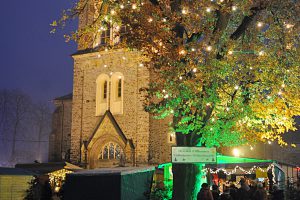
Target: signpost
(194, 155)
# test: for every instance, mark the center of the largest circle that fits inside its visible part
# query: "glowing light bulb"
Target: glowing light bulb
(122, 6)
(227, 109)
(236, 87)
(195, 70)
(134, 6)
(172, 111)
(150, 20)
(259, 24)
(279, 93)
(180, 77)
(261, 53)
(163, 91)
(98, 55)
(141, 65)
(193, 49)
(283, 85)
(269, 142)
(111, 73)
(164, 20)
(112, 12)
(182, 52)
(234, 8)
(209, 48)
(124, 58)
(236, 152)
(251, 148)
(106, 49)
(105, 66)
(230, 52)
(208, 10)
(289, 25)
(184, 11)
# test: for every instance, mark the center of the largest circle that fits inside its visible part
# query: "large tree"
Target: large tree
(227, 71)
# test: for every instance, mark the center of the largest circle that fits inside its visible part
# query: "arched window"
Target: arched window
(109, 151)
(102, 91)
(117, 81)
(110, 34)
(105, 90)
(119, 95)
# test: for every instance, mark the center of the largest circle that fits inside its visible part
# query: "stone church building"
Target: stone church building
(109, 126)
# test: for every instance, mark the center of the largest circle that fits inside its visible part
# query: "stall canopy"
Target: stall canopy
(45, 168)
(226, 160)
(221, 159)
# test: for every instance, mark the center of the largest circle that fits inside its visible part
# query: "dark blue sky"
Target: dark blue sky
(32, 59)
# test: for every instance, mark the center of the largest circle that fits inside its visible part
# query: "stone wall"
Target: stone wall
(60, 137)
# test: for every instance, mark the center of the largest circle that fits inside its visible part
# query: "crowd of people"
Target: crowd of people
(252, 191)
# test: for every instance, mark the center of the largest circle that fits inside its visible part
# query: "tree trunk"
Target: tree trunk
(186, 181)
(186, 177)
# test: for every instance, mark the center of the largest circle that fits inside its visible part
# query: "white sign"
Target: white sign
(194, 155)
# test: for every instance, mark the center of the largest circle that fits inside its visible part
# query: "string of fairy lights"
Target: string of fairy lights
(58, 175)
(236, 168)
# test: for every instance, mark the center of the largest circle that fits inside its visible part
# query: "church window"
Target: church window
(119, 88)
(110, 150)
(102, 91)
(110, 34)
(105, 90)
(105, 153)
(105, 36)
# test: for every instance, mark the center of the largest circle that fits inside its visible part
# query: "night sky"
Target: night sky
(32, 59)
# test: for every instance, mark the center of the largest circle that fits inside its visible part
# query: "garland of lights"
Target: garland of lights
(253, 169)
(58, 175)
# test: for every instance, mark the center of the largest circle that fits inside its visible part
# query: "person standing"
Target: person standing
(277, 194)
(205, 193)
(260, 193)
(215, 192)
(243, 191)
(226, 195)
(233, 191)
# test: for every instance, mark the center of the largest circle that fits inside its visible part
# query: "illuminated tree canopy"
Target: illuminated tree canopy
(228, 71)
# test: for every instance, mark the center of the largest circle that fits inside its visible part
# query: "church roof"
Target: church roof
(65, 97)
(15, 171)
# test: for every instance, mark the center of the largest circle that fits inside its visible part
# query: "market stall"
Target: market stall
(229, 169)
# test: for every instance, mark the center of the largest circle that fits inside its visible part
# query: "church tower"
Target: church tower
(109, 124)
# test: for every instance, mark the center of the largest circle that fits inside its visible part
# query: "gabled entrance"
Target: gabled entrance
(108, 145)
